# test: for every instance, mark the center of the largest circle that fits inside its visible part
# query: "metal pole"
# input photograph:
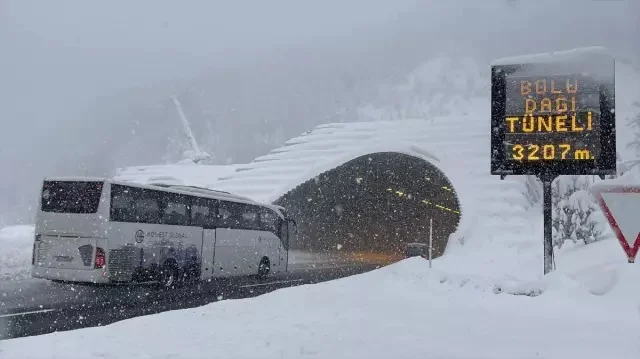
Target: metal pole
(548, 224)
(430, 240)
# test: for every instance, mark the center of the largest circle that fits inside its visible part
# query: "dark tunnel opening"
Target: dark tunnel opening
(374, 204)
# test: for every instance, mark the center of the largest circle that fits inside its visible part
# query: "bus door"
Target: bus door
(208, 252)
(287, 230)
(293, 230)
(203, 216)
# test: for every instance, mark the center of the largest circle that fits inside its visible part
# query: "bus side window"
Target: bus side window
(237, 210)
(225, 215)
(268, 221)
(213, 220)
(147, 205)
(201, 214)
(176, 210)
(122, 204)
(250, 218)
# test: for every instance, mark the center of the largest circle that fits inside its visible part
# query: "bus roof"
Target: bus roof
(74, 178)
(178, 189)
(205, 191)
(277, 208)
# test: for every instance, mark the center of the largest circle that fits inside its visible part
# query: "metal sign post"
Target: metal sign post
(430, 240)
(547, 211)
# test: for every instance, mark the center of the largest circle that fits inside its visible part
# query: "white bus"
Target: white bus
(96, 230)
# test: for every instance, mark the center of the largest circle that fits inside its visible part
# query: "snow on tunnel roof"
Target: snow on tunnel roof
(328, 146)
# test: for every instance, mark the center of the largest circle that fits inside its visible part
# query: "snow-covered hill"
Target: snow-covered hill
(442, 86)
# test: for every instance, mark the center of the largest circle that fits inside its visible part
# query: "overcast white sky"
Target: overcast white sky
(57, 50)
(57, 57)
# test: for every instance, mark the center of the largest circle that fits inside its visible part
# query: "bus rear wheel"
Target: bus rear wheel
(263, 267)
(191, 275)
(168, 276)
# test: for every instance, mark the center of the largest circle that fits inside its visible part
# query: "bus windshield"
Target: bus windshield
(71, 196)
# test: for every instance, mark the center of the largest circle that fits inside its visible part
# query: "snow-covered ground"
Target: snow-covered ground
(16, 244)
(466, 306)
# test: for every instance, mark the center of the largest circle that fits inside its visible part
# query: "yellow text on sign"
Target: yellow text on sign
(552, 96)
(549, 124)
(563, 151)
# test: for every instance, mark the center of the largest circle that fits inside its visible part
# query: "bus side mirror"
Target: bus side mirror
(295, 225)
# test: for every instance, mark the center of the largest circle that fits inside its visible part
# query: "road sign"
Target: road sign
(554, 114)
(621, 207)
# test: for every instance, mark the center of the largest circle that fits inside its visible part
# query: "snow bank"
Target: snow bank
(405, 310)
(16, 243)
(504, 263)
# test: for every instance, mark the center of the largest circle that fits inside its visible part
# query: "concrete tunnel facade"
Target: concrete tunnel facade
(375, 203)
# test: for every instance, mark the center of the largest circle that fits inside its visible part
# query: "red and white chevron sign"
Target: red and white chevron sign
(621, 206)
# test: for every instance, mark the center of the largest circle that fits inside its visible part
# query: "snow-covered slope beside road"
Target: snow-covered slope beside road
(16, 244)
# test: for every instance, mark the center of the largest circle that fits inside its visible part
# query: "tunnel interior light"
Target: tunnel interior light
(424, 201)
(446, 188)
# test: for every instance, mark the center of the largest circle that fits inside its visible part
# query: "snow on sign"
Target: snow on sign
(621, 206)
(554, 113)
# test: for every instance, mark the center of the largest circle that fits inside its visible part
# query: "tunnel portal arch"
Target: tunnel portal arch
(375, 203)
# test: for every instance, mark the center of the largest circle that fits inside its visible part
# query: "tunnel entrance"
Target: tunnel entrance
(374, 204)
